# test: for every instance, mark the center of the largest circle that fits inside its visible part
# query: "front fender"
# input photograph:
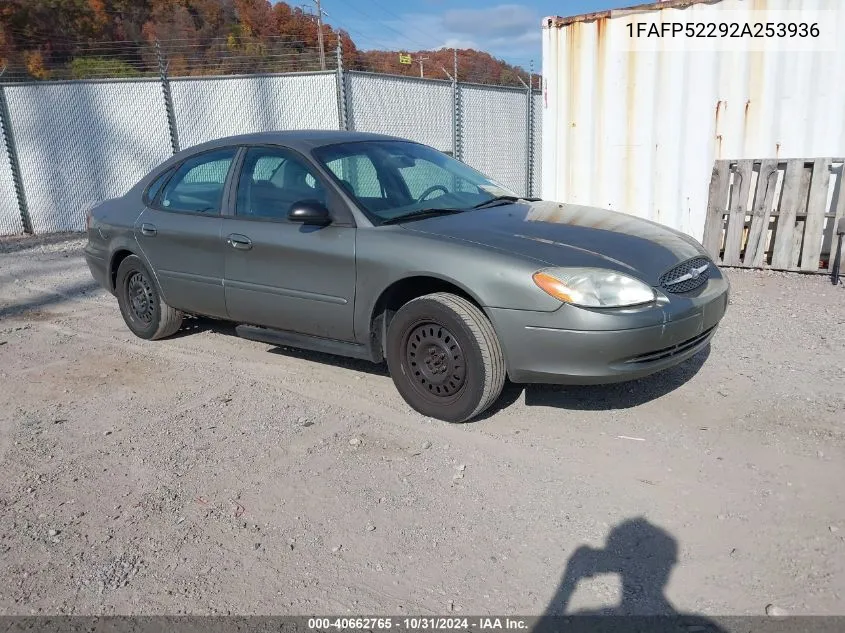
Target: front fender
(493, 278)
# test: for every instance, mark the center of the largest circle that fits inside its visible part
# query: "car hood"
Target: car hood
(569, 235)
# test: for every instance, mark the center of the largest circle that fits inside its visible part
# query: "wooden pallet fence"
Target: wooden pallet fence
(775, 213)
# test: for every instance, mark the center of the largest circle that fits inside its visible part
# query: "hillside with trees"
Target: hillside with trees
(77, 39)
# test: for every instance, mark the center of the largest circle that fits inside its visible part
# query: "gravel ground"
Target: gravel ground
(210, 474)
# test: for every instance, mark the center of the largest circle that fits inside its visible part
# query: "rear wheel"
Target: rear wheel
(140, 302)
(444, 357)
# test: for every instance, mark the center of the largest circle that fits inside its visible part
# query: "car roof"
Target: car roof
(295, 139)
(298, 140)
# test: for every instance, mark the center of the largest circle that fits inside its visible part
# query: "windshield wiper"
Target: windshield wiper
(419, 214)
(502, 200)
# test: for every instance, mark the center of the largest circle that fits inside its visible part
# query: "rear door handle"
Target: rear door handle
(241, 242)
(148, 229)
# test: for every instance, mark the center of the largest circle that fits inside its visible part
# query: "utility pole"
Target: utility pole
(320, 14)
(420, 61)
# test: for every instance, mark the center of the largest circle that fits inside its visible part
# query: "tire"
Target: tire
(140, 302)
(444, 357)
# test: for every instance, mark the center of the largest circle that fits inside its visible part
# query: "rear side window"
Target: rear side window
(197, 186)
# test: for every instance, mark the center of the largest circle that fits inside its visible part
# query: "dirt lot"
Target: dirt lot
(209, 474)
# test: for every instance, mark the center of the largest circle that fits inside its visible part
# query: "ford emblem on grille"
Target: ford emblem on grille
(686, 276)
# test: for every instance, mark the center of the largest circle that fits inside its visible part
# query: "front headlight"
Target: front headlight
(593, 287)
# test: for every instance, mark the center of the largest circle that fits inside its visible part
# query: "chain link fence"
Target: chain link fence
(495, 133)
(79, 142)
(10, 216)
(416, 109)
(206, 109)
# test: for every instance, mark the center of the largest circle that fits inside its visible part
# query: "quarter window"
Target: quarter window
(272, 181)
(155, 187)
(197, 186)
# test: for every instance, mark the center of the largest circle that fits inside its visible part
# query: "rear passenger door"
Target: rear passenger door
(179, 232)
(283, 274)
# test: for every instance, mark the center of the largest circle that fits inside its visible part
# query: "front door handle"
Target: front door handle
(148, 229)
(241, 242)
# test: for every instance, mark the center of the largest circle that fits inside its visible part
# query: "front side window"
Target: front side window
(272, 180)
(393, 179)
(197, 186)
(358, 176)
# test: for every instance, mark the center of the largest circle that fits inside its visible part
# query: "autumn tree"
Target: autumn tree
(48, 39)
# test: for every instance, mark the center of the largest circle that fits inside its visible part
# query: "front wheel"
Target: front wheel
(444, 357)
(140, 302)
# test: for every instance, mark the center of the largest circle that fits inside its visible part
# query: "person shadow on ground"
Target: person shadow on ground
(643, 555)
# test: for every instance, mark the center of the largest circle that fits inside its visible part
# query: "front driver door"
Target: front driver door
(283, 274)
(179, 232)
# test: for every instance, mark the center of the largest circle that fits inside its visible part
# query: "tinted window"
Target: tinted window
(390, 179)
(197, 185)
(153, 189)
(272, 180)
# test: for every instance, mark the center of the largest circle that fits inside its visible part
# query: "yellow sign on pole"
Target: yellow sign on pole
(405, 59)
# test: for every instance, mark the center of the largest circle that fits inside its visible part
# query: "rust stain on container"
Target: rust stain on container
(601, 68)
(572, 94)
(753, 124)
(601, 57)
(630, 125)
(718, 120)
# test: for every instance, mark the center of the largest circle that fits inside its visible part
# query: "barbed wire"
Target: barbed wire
(241, 55)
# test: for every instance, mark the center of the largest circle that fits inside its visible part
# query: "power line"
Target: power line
(388, 27)
(361, 36)
(389, 12)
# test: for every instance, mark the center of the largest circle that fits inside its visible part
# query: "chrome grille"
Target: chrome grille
(686, 276)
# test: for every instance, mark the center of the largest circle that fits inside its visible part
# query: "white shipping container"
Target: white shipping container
(634, 124)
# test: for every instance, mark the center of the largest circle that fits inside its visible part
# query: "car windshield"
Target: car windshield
(392, 180)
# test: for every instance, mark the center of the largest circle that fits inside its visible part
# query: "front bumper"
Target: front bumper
(580, 346)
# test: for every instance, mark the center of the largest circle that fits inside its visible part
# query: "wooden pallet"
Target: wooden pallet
(773, 213)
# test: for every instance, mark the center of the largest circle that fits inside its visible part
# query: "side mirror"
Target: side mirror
(309, 212)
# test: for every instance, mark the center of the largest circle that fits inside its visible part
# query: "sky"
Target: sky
(507, 29)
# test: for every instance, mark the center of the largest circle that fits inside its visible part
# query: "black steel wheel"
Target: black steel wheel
(436, 361)
(444, 357)
(140, 302)
(141, 298)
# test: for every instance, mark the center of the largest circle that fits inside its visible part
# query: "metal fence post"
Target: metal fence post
(168, 98)
(342, 103)
(457, 112)
(529, 145)
(12, 153)
(529, 133)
